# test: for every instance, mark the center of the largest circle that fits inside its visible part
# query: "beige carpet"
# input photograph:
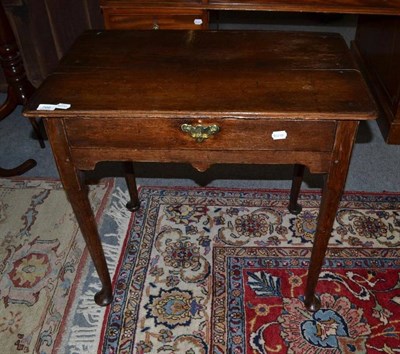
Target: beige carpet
(42, 258)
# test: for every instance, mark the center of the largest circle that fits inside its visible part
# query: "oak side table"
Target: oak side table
(204, 97)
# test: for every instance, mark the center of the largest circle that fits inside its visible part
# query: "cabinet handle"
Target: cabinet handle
(155, 26)
(200, 132)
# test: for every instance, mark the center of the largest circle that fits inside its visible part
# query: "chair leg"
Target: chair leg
(298, 173)
(19, 170)
(134, 203)
(9, 104)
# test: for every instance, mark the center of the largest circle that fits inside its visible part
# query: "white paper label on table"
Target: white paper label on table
(279, 135)
(52, 107)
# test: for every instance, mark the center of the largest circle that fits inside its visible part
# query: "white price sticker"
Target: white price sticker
(52, 107)
(46, 107)
(279, 135)
(63, 106)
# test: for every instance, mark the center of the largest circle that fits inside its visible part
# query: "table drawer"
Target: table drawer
(233, 134)
(156, 20)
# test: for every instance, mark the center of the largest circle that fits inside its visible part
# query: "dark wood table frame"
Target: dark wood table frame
(204, 98)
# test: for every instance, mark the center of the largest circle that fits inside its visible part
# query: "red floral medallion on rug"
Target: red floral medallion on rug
(223, 271)
(261, 293)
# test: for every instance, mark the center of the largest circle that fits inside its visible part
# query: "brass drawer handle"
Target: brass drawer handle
(200, 132)
(156, 26)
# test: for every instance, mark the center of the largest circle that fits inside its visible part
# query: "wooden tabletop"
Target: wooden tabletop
(224, 73)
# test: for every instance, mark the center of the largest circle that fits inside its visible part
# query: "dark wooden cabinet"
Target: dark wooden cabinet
(155, 18)
(45, 29)
(377, 48)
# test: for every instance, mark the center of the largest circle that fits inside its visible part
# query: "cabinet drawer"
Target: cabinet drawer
(234, 134)
(156, 20)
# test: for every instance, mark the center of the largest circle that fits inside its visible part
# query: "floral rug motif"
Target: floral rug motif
(42, 254)
(261, 298)
(223, 271)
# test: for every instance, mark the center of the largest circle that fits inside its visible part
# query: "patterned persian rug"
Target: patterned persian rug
(42, 261)
(223, 271)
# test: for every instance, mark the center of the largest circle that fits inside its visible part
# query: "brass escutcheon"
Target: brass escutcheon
(200, 132)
